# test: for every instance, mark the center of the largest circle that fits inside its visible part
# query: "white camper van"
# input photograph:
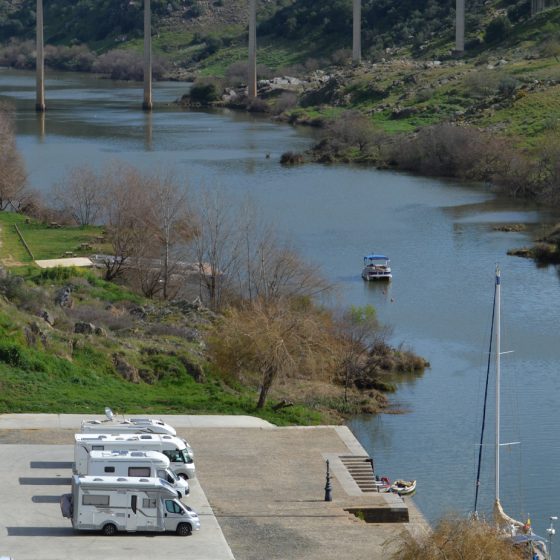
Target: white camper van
(110, 504)
(148, 425)
(130, 426)
(146, 464)
(172, 447)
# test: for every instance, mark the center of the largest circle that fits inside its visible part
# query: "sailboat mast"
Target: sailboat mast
(497, 444)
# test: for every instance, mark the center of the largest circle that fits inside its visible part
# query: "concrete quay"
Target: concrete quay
(260, 491)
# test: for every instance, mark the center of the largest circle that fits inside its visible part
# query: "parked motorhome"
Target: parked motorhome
(148, 425)
(110, 504)
(181, 462)
(146, 464)
(130, 426)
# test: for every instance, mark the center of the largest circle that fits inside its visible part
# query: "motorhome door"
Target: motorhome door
(132, 516)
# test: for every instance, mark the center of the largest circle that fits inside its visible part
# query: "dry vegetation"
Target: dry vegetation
(458, 539)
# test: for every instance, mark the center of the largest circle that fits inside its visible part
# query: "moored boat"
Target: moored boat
(403, 487)
(519, 533)
(376, 267)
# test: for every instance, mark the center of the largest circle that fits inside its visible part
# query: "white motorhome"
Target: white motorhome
(132, 426)
(172, 447)
(146, 464)
(110, 504)
(149, 425)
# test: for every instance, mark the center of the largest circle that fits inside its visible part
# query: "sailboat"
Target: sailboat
(520, 533)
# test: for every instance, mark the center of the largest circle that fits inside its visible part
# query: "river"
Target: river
(439, 235)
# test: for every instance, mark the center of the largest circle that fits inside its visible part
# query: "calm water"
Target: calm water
(438, 234)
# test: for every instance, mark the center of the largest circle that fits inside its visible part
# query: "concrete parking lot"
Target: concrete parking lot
(34, 476)
(259, 493)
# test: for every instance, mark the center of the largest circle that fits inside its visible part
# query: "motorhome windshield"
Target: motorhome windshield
(178, 455)
(171, 476)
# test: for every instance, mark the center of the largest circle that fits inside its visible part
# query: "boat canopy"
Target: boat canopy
(376, 257)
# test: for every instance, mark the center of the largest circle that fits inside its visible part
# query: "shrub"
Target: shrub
(236, 74)
(507, 86)
(204, 92)
(481, 83)
(497, 30)
(126, 65)
(341, 57)
(12, 287)
(291, 158)
(424, 94)
(287, 100)
(257, 105)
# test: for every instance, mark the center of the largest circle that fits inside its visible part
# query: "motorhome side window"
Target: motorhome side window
(173, 507)
(139, 471)
(109, 469)
(94, 500)
(149, 503)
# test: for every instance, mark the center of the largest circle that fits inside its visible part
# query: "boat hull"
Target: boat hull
(403, 487)
(368, 275)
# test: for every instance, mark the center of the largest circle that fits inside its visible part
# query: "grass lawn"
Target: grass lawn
(45, 242)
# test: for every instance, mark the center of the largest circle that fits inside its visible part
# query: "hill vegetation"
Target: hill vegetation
(194, 305)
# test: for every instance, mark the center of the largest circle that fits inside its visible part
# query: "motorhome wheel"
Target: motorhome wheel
(184, 529)
(109, 530)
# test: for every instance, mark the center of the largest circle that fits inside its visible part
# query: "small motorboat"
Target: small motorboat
(376, 267)
(403, 487)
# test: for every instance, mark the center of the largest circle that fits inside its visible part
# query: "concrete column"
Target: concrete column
(252, 70)
(147, 105)
(357, 32)
(40, 61)
(459, 26)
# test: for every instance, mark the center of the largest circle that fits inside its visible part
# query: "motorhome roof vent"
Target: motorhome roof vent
(121, 479)
(144, 480)
(98, 479)
(137, 454)
(167, 437)
(94, 422)
(145, 436)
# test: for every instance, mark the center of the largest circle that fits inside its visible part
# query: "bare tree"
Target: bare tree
(13, 177)
(125, 203)
(168, 220)
(217, 245)
(269, 268)
(358, 330)
(81, 195)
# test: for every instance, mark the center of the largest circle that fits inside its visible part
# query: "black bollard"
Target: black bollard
(328, 486)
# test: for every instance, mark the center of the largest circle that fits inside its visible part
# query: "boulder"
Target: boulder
(84, 328)
(47, 317)
(125, 370)
(64, 297)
